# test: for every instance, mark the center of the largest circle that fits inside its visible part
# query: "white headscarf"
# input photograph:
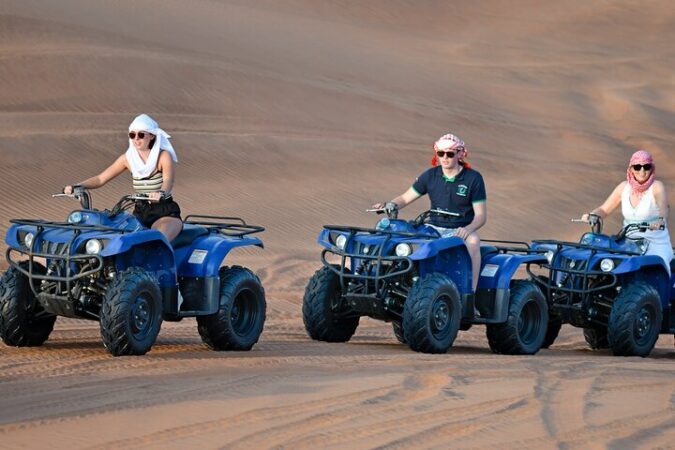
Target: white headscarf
(141, 169)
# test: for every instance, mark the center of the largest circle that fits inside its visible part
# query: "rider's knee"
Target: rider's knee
(473, 241)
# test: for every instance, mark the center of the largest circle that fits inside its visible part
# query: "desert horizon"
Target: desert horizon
(295, 114)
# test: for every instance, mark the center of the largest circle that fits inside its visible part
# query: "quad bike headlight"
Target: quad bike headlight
(341, 241)
(403, 249)
(607, 265)
(383, 224)
(28, 239)
(93, 247)
(75, 217)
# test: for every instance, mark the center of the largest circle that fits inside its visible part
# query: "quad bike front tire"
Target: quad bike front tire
(432, 314)
(596, 338)
(635, 320)
(397, 327)
(131, 313)
(322, 308)
(23, 320)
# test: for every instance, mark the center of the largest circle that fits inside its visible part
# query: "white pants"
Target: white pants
(444, 232)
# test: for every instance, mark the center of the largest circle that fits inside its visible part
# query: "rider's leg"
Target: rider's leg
(169, 226)
(473, 246)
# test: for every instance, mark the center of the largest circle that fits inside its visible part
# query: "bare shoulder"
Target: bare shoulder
(121, 161)
(619, 188)
(165, 156)
(659, 186)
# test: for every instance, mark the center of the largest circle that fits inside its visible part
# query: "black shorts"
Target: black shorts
(148, 212)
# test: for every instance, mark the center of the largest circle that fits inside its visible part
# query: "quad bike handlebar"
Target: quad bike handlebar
(129, 200)
(80, 194)
(84, 197)
(426, 215)
(595, 221)
(389, 208)
(641, 227)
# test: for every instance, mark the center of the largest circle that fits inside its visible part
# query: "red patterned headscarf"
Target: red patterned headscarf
(451, 142)
(640, 157)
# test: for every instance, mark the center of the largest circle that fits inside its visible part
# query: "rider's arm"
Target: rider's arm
(661, 198)
(108, 174)
(480, 217)
(406, 198)
(612, 202)
(168, 169)
(402, 200)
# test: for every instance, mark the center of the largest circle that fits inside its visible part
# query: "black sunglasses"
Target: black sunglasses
(132, 135)
(638, 167)
(449, 153)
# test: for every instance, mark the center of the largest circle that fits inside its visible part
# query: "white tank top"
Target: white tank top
(645, 211)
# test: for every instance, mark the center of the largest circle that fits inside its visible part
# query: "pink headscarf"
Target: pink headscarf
(451, 142)
(640, 157)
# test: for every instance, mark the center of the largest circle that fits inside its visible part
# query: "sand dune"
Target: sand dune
(299, 113)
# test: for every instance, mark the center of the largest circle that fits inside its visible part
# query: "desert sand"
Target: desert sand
(297, 113)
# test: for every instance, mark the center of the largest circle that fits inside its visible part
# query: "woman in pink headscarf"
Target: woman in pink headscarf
(642, 199)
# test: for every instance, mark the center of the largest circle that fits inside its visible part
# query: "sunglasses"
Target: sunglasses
(133, 134)
(638, 167)
(449, 153)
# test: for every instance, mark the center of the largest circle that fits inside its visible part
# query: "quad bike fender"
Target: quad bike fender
(448, 256)
(122, 243)
(497, 269)
(205, 256)
(654, 274)
(636, 263)
(430, 249)
(323, 238)
(11, 237)
(153, 255)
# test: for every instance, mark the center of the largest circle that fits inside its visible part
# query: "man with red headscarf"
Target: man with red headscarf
(453, 186)
(643, 199)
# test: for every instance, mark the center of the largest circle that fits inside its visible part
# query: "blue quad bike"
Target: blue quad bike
(607, 285)
(105, 266)
(406, 273)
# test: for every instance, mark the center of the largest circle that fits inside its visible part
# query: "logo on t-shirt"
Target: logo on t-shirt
(462, 189)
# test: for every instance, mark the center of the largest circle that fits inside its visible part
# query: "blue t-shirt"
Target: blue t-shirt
(456, 195)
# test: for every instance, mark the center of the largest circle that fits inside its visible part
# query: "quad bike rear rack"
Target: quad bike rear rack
(228, 226)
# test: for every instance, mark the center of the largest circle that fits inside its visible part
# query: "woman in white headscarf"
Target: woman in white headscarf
(151, 160)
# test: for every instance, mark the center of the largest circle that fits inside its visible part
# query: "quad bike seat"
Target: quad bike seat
(487, 250)
(189, 234)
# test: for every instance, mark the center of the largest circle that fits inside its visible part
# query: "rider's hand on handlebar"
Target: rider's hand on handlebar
(659, 224)
(68, 189)
(155, 196)
(390, 207)
(387, 208)
(590, 218)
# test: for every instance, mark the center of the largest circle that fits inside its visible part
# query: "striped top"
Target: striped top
(153, 183)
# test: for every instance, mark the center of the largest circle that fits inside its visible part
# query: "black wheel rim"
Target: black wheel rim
(244, 312)
(644, 322)
(529, 322)
(441, 315)
(142, 315)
